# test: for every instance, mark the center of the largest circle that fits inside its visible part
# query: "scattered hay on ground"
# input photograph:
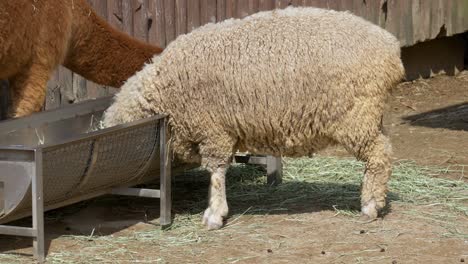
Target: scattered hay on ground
(309, 185)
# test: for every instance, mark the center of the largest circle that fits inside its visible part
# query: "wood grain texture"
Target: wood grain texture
(282, 3)
(193, 14)
(127, 17)
(181, 16)
(207, 11)
(157, 30)
(140, 19)
(231, 8)
(169, 18)
(220, 10)
(115, 14)
(53, 92)
(66, 86)
(266, 5)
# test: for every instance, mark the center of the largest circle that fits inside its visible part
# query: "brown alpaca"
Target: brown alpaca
(37, 36)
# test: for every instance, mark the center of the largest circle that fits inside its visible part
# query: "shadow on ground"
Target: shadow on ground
(453, 117)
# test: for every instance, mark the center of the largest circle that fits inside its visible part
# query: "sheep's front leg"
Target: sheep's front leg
(217, 208)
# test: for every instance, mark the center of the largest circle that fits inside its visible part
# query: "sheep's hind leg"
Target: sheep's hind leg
(377, 155)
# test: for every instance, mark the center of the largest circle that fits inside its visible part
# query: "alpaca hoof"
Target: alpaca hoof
(212, 221)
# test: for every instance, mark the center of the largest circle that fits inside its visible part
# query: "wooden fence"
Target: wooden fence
(160, 21)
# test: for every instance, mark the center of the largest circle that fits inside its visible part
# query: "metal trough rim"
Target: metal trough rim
(100, 132)
(68, 111)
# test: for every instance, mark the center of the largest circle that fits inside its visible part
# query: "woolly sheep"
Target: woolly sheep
(283, 83)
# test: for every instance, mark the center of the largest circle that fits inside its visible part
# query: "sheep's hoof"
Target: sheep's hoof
(369, 211)
(211, 220)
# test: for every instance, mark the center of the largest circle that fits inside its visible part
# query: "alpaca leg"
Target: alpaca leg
(28, 91)
(377, 173)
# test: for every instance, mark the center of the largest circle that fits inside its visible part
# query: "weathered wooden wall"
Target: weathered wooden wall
(160, 21)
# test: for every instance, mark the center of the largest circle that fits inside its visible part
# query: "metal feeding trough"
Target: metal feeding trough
(59, 157)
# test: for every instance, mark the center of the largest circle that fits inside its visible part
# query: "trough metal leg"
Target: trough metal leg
(274, 170)
(273, 165)
(164, 193)
(30, 159)
(38, 209)
(165, 177)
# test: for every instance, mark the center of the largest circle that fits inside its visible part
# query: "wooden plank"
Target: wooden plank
(421, 19)
(456, 16)
(449, 15)
(207, 11)
(127, 17)
(359, 8)
(220, 10)
(231, 8)
(383, 13)
(373, 11)
(282, 3)
(193, 14)
(392, 22)
(333, 4)
(115, 14)
(406, 22)
(53, 92)
(211, 12)
(266, 5)
(181, 17)
(254, 6)
(140, 19)
(95, 90)
(317, 3)
(66, 86)
(169, 18)
(298, 2)
(437, 17)
(100, 7)
(79, 88)
(242, 8)
(157, 30)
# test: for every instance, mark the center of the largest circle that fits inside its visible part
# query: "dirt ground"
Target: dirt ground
(428, 123)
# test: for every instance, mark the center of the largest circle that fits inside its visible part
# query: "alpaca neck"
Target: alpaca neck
(101, 53)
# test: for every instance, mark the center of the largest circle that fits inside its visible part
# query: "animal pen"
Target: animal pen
(55, 158)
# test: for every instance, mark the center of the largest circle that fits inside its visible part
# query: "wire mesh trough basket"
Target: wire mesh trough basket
(59, 157)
